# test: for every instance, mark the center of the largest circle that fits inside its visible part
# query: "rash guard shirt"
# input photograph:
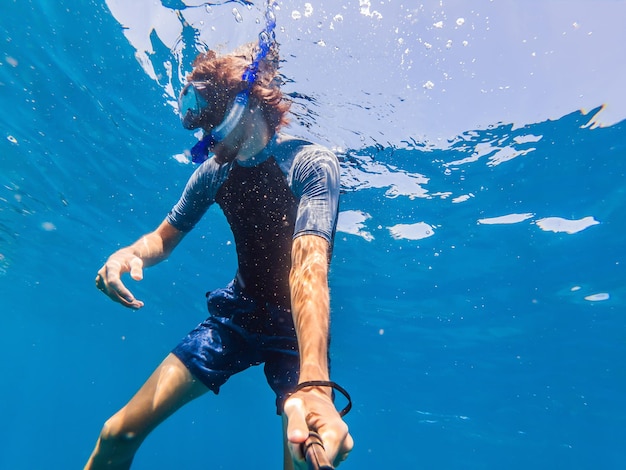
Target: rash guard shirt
(290, 188)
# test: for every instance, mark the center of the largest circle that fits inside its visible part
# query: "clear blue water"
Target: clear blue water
(468, 340)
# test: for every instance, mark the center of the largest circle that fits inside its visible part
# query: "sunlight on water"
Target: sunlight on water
(438, 56)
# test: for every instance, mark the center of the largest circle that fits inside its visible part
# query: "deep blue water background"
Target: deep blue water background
(468, 349)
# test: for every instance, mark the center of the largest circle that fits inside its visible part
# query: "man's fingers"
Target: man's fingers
(109, 281)
(297, 429)
(344, 450)
(119, 293)
(315, 412)
(136, 269)
(100, 283)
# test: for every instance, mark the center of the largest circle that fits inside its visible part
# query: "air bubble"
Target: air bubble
(237, 15)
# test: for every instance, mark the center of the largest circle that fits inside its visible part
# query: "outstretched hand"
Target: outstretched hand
(312, 409)
(109, 279)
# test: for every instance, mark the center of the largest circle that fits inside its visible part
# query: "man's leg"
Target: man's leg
(169, 387)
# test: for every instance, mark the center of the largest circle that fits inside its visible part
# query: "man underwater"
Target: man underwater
(280, 197)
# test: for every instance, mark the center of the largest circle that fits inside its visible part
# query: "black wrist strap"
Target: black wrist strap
(327, 383)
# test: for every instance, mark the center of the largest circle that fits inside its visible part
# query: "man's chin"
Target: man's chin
(225, 152)
(224, 157)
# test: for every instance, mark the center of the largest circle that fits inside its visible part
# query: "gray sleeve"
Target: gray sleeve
(315, 181)
(198, 195)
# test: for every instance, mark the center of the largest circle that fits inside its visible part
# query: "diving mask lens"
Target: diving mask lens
(191, 105)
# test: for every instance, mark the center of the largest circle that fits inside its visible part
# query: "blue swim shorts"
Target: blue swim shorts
(242, 332)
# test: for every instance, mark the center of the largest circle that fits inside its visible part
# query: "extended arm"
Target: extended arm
(147, 251)
(312, 408)
(310, 304)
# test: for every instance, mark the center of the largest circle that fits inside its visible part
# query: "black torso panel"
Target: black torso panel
(261, 210)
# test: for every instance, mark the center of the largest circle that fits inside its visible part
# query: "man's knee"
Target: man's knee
(116, 445)
(117, 432)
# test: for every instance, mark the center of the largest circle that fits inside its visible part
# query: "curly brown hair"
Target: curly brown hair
(223, 76)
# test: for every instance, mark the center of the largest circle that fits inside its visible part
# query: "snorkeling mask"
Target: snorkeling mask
(192, 105)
